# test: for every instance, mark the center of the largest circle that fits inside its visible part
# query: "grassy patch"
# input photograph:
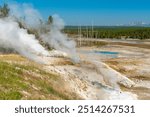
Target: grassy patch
(10, 76)
(11, 95)
(29, 81)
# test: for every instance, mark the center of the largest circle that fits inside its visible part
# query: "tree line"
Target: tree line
(87, 31)
(110, 32)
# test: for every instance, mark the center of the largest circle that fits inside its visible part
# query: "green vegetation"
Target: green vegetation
(4, 11)
(21, 79)
(50, 20)
(111, 32)
(10, 95)
(10, 81)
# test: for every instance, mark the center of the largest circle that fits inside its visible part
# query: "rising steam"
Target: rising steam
(13, 37)
(55, 38)
(18, 39)
(26, 14)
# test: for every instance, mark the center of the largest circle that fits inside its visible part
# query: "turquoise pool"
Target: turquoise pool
(106, 52)
(109, 54)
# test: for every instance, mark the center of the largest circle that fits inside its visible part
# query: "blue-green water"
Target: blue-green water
(103, 53)
(106, 52)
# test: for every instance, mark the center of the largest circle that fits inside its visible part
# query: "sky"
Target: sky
(96, 12)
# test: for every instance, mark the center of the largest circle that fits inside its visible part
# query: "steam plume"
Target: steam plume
(55, 38)
(12, 36)
(26, 14)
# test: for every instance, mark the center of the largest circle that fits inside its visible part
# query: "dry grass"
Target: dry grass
(24, 79)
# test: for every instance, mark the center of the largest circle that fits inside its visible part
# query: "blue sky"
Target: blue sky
(100, 12)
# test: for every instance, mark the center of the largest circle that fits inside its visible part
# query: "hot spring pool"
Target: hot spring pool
(106, 52)
(109, 54)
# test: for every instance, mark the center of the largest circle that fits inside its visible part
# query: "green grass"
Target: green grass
(16, 78)
(11, 95)
(10, 81)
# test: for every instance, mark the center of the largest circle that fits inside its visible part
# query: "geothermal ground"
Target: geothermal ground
(117, 70)
(120, 71)
(131, 60)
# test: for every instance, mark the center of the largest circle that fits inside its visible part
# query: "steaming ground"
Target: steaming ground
(92, 78)
(101, 77)
(16, 38)
(22, 32)
(62, 75)
(23, 18)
